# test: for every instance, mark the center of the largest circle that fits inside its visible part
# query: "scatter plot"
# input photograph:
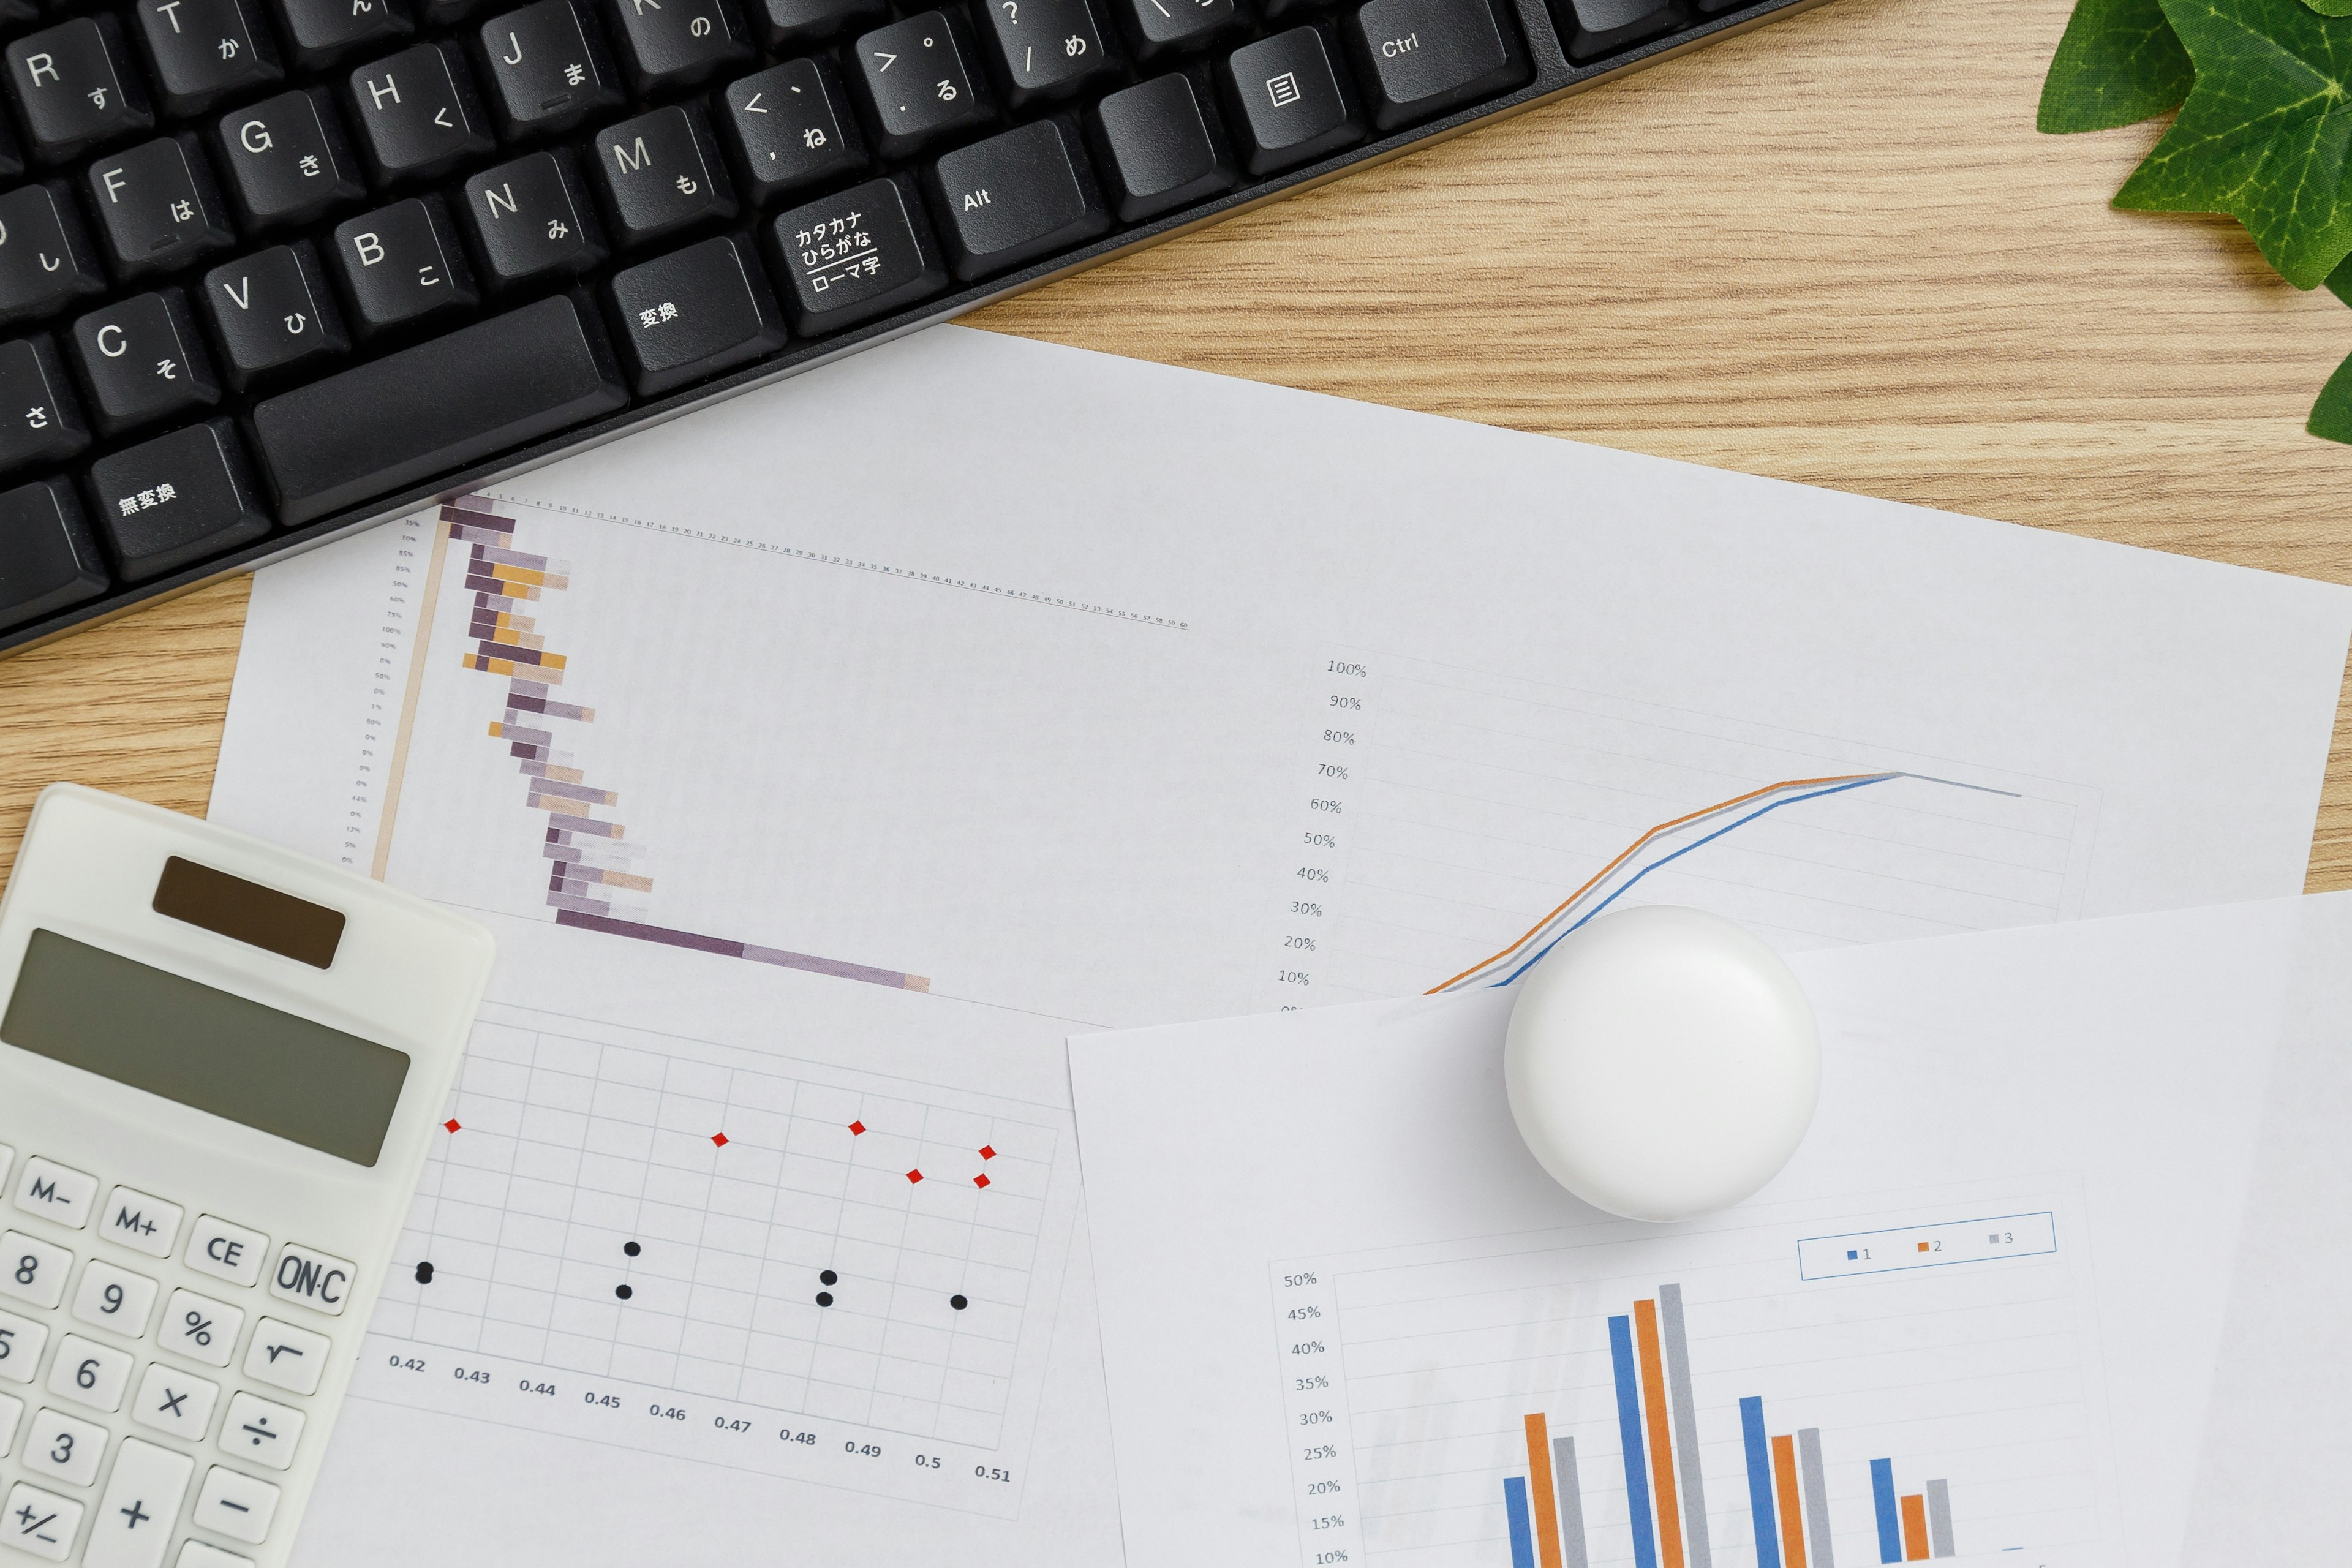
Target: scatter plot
(425, 1274)
(452, 1125)
(959, 1302)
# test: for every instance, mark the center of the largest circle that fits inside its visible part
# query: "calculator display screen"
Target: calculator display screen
(221, 1053)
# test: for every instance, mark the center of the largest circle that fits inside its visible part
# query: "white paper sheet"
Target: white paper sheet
(1077, 691)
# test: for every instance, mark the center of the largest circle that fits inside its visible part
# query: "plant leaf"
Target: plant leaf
(2264, 133)
(2331, 416)
(2119, 62)
(2341, 281)
(2331, 7)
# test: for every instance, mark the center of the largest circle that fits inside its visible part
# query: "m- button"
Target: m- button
(226, 1251)
(55, 1193)
(312, 1279)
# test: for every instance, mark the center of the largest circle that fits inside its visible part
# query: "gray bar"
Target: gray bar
(1678, 1385)
(1817, 1496)
(1939, 1519)
(1571, 1502)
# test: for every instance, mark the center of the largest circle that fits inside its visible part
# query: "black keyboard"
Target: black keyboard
(271, 271)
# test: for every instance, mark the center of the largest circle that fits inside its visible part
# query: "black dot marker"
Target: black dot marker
(828, 1278)
(425, 1274)
(958, 1302)
(824, 1298)
(631, 1248)
(623, 1291)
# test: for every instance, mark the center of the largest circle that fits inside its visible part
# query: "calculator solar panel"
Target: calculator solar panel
(274, 270)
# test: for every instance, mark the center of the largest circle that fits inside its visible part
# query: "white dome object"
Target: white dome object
(1662, 1063)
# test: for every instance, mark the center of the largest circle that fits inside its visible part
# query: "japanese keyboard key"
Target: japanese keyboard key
(1014, 197)
(669, 44)
(848, 258)
(288, 163)
(202, 50)
(323, 31)
(158, 207)
(48, 560)
(915, 82)
(1291, 102)
(548, 67)
(417, 114)
(789, 128)
(1592, 28)
(1160, 145)
(402, 266)
(695, 312)
(1420, 57)
(660, 174)
(144, 361)
(46, 258)
(272, 313)
(76, 87)
(1156, 27)
(40, 420)
(169, 502)
(787, 24)
(533, 219)
(1045, 48)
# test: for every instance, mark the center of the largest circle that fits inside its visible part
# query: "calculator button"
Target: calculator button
(8, 1158)
(226, 1251)
(236, 1506)
(57, 1445)
(114, 1298)
(89, 1374)
(286, 1357)
(21, 1340)
(197, 1554)
(173, 1402)
(32, 1270)
(143, 1224)
(12, 1410)
(200, 1328)
(259, 1430)
(40, 1522)
(313, 1279)
(55, 1192)
(141, 1504)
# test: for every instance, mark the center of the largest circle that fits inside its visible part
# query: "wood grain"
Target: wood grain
(1834, 251)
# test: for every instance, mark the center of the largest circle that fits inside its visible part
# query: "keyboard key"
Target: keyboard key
(417, 114)
(89, 1374)
(173, 1402)
(22, 1339)
(660, 174)
(694, 312)
(158, 208)
(41, 1523)
(1159, 26)
(12, 1411)
(64, 1447)
(669, 44)
(193, 1326)
(915, 82)
(141, 1504)
(12, 157)
(32, 1270)
(1420, 57)
(46, 258)
(272, 312)
(788, 128)
(197, 1554)
(204, 503)
(202, 50)
(1161, 146)
(323, 31)
(1014, 197)
(57, 1192)
(286, 1357)
(548, 69)
(142, 360)
(1291, 104)
(853, 256)
(403, 266)
(238, 1507)
(533, 219)
(1045, 48)
(1592, 28)
(225, 1251)
(288, 161)
(441, 404)
(786, 23)
(260, 1430)
(48, 560)
(40, 420)
(76, 87)
(141, 1223)
(114, 1298)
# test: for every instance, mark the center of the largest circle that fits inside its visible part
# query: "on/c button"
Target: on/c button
(314, 1279)
(226, 1251)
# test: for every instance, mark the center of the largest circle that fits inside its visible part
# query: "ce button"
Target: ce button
(226, 1251)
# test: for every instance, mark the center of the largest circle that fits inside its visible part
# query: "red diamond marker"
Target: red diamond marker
(451, 1124)
(855, 1128)
(914, 1175)
(980, 1181)
(988, 1151)
(719, 1138)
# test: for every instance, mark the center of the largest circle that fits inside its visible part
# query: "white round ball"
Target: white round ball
(1662, 1063)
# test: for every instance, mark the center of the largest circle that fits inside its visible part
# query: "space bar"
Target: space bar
(481, 389)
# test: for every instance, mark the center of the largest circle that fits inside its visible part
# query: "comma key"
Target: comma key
(861, 254)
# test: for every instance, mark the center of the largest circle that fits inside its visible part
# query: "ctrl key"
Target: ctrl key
(48, 557)
(172, 501)
(853, 256)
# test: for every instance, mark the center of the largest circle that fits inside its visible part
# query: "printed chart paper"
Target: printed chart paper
(1348, 1319)
(801, 768)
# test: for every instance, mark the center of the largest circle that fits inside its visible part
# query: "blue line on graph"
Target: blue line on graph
(1882, 1496)
(1760, 1483)
(1523, 1539)
(1629, 1432)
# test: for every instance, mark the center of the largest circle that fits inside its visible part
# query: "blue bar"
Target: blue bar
(1523, 1534)
(1629, 1430)
(1760, 1484)
(1890, 1525)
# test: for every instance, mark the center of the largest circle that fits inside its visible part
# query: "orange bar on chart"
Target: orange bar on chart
(1915, 1528)
(1542, 1502)
(1784, 1484)
(1661, 1453)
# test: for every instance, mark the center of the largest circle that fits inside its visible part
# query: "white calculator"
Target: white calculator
(221, 1064)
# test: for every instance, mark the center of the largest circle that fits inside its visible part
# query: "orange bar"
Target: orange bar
(1915, 1528)
(1541, 1501)
(1784, 1483)
(1661, 1453)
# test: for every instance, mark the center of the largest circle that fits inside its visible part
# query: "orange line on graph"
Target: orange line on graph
(1544, 1502)
(1784, 1482)
(1627, 853)
(1662, 1454)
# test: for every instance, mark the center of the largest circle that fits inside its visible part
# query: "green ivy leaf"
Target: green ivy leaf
(2119, 62)
(2265, 132)
(2331, 7)
(2341, 281)
(2331, 416)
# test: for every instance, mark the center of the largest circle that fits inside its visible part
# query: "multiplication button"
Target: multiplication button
(55, 1192)
(175, 1403)
(286, 1357)
(226, 1251)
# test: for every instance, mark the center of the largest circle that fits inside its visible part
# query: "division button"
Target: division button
(48, 557)
(315, 1279)
(138, 1508)
(39, 1523)
(261, 1431)
(1016, 196)
(286, 1357)
(1290, 103)
(858, 255)
(1422, 58)
(238, 1507)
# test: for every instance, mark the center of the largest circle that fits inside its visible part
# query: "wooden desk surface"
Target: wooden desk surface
(1833, 250)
